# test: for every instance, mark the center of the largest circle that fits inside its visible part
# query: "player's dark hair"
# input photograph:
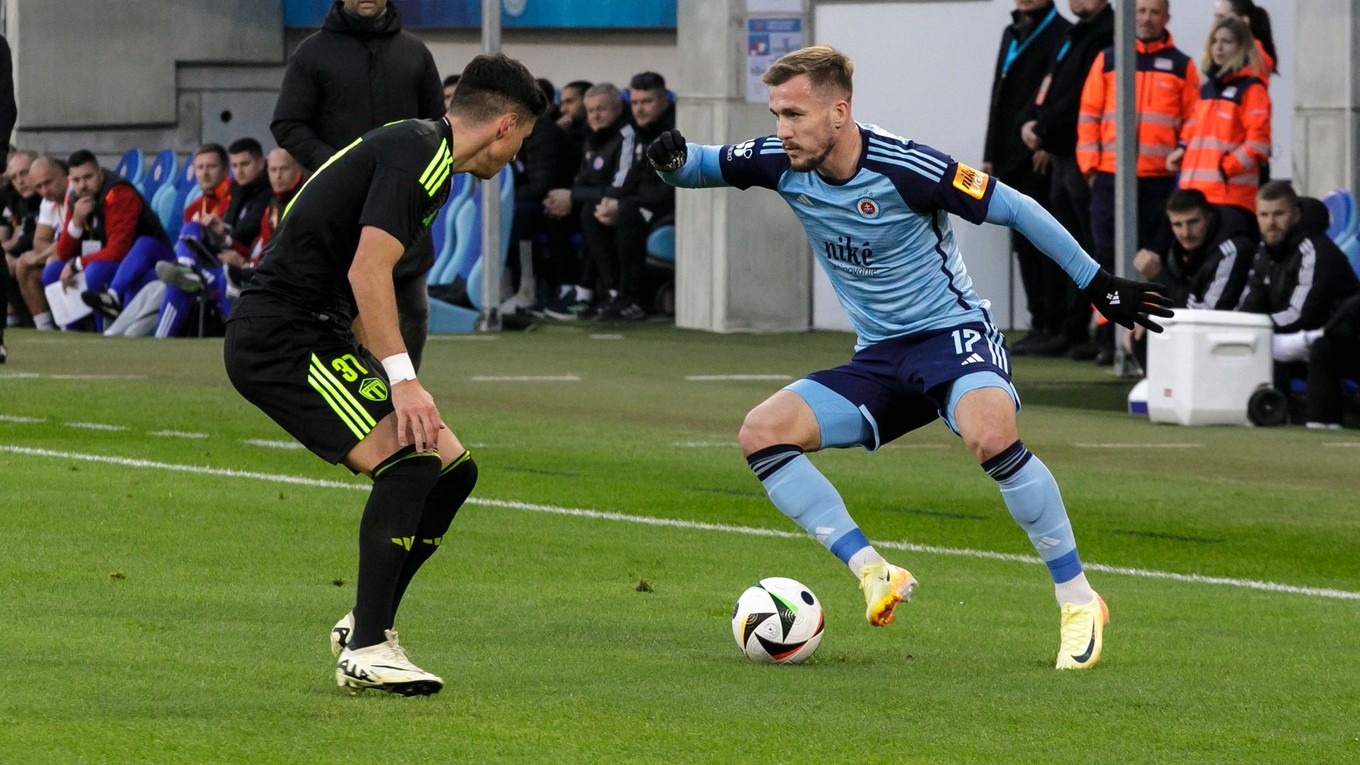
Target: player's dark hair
(452, 80)
(248, 146)
(493, 85)
(212, 148)
(1259, 19)
(1277, 190)
(647, 81)
(823, 64)
(549, 92)
(1188, 200)
(82, 157)
(581, 85)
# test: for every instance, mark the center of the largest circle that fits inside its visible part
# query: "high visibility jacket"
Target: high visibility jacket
(1166, 88)
(1227, 139)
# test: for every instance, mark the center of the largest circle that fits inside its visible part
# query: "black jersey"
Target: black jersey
(394, 178)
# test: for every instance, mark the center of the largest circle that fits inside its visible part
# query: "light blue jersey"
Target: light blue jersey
(884, 237)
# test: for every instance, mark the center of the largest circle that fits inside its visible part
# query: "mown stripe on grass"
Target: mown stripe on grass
(678, 523)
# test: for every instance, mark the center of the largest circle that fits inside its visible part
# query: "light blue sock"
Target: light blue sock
(802, 493)
(1032, 496)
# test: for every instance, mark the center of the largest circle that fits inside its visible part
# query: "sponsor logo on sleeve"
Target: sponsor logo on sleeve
(969, 181)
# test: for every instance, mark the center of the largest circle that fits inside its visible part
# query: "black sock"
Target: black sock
(450, 491)
(386, 534)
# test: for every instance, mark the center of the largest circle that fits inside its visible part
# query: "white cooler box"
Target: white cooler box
(1203, 369)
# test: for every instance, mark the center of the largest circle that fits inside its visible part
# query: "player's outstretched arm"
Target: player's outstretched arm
(687, 165)
(370, 276)
(1122, 301)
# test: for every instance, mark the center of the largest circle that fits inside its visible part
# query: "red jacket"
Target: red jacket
(1166, 87)
(214, 203)
(1227, 139)
(119, 218)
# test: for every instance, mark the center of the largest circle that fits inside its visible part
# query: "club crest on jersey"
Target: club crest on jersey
(969, 181)
(598, 163)
(867, 207)
(373, 389)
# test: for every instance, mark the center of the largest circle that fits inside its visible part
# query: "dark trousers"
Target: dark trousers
(1039, 275)
(1154, 232)
(1069, 200)
(1329, 362)
(555, 260)
(601, 251)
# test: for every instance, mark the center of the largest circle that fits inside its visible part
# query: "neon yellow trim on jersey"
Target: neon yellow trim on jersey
(439, 177)
(344, 417)
(342, 394)
(324, 165)
(460, 459)
(439, 156)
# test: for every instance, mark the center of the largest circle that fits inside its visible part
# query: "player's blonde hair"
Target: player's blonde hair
(823, 64)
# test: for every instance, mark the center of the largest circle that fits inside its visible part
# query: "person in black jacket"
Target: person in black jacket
(1027, 45)
(644, 201)
(602, 168)
(1298, 276)
(1208, 263)
(9, 114)
(359, 72)
(548, 160)
(1332, 358)
(1050, 130)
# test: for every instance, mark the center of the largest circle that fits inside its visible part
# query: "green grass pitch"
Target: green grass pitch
(170, 573)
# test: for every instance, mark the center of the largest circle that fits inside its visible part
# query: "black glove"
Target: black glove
(1126, 302)
(667, 153)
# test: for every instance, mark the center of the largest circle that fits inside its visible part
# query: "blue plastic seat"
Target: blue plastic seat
(162, 168)
(661, 246)
(461, 252)
(186, 178)
(132, 167)
(1345, 224)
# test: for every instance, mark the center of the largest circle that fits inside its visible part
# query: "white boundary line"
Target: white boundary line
(576, 512)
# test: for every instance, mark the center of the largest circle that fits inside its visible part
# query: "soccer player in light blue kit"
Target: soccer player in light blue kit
(876, 211)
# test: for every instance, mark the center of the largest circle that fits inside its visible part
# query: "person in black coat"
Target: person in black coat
(1027, 46)
(1051, 128)
(547, 161)
(360, 72)
(1332, 358)
(9, 114)
(1298, 277)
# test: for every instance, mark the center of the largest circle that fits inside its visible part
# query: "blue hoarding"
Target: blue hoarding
(514, 13)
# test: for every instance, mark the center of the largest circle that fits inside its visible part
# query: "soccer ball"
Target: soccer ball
(777, 621)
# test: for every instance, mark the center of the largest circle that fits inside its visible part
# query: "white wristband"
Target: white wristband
(399, 368)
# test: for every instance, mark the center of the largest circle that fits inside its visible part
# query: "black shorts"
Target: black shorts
(308, 372)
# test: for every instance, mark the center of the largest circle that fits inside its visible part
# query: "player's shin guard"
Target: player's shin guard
(802, 493)
(386, 535)
(455, 483)
(1032, 496)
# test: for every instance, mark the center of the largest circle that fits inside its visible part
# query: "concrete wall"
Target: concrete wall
(564, 55)
(1325, 116)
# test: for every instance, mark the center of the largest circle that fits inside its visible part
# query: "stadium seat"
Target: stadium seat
(163, 204)
(461, 253)
(1345, 224)
(661, 246)
(132, 167)
(161, 170)
(186, 178)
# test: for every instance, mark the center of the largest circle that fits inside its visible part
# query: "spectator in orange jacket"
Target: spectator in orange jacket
(1167, 87)
(1227, 140)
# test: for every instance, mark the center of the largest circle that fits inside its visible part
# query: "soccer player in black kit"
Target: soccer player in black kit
(314, 343)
